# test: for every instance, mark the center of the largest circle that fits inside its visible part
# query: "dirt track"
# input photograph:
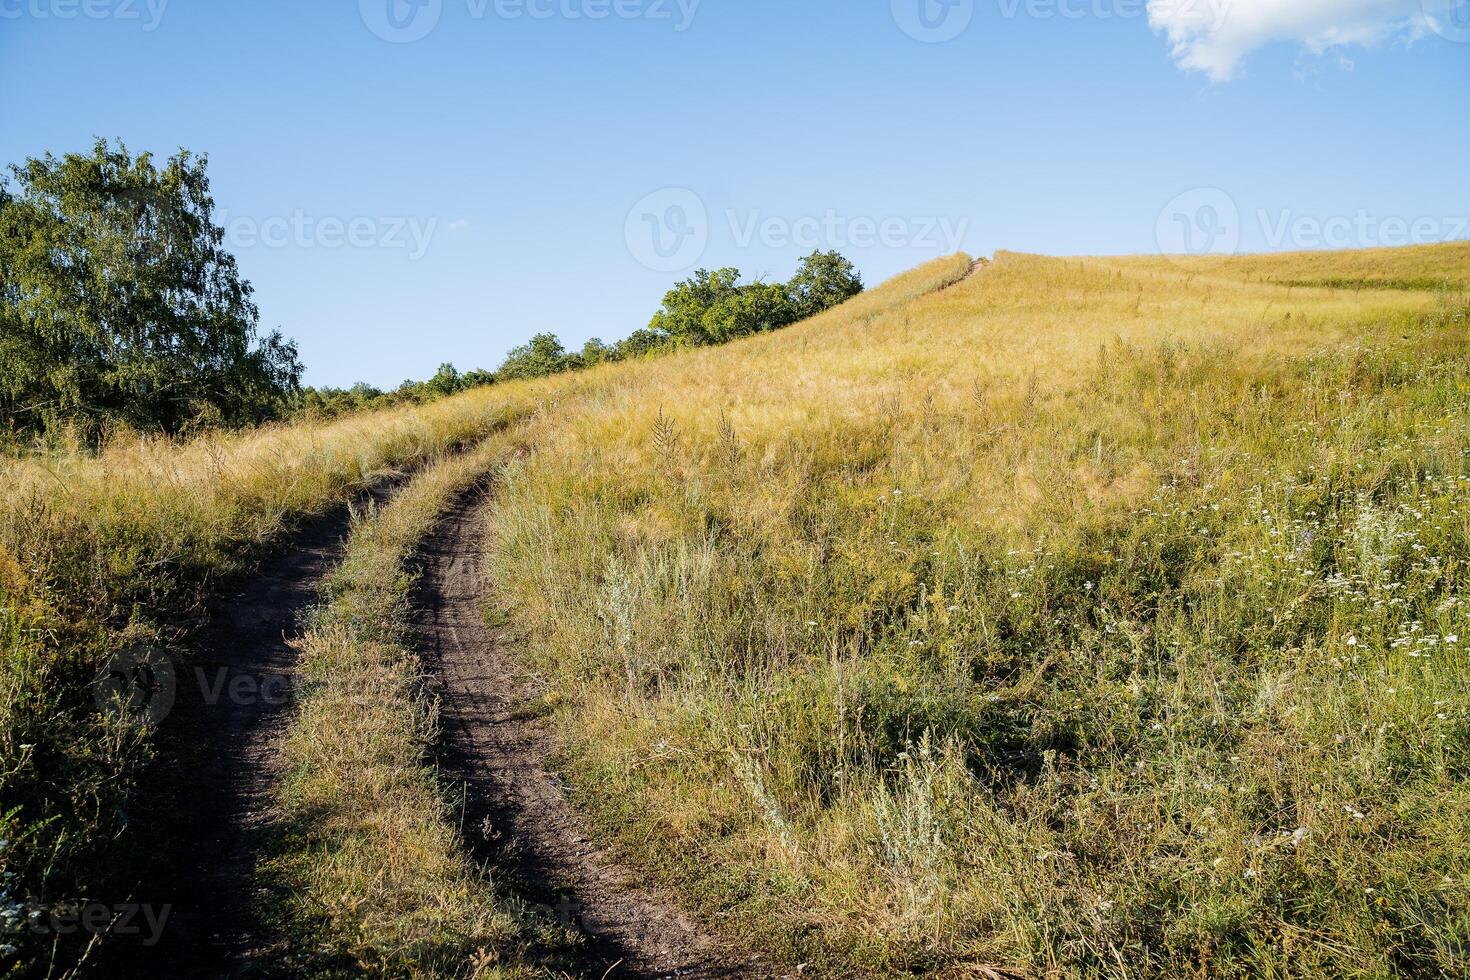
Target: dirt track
(977, 266)
(500, 755)
(220, 751)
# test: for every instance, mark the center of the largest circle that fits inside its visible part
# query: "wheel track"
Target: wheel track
(221, 756)
(501, 758)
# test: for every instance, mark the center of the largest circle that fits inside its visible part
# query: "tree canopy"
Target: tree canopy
(715, 307)
(543, 355)
(823, 280)
(120, 305)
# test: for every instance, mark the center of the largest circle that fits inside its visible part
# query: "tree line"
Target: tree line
(709, 308)
(120, 308)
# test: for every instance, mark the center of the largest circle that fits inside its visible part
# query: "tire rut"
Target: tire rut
(517, 817)
(221, 752)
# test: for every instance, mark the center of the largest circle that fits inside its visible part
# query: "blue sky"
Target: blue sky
(529, 165)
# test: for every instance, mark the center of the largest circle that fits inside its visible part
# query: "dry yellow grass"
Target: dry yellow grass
(1429, 267)
(973, 627)
(1084, 616)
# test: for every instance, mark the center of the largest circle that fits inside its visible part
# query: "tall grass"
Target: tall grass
(103, 551)
(1091, 616)
(1088, 617)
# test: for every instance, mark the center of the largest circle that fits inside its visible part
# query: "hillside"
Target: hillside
(1071, 616)
(1089, 615)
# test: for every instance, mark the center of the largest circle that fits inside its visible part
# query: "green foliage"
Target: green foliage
(447, 381)
(824, 280)
(596, 352)
(713, 308)
(640, 343)
(543, 355)
(120, 306)
(332, 402)
(682, 318)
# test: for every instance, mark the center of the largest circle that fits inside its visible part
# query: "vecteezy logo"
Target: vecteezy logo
(1204, 221)
(1190, 16)
(400, 21)
(137, 684)
(1450, 19)
(933, 21)
(668, 230)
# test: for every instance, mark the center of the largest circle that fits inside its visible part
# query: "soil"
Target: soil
(977, 266)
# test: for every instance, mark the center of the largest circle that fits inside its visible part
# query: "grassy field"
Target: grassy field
(1081, 616)
(1431, 268)
(1086, 617)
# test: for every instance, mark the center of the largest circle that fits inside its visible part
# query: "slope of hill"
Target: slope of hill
(1431, 268)
(1057, 615)
(1087, 616)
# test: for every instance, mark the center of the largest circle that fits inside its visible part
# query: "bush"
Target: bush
(824, 280)
(542, 356)
(713, 307)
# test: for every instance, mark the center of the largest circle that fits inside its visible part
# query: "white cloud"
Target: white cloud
(459, 224)
(1214, 36)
